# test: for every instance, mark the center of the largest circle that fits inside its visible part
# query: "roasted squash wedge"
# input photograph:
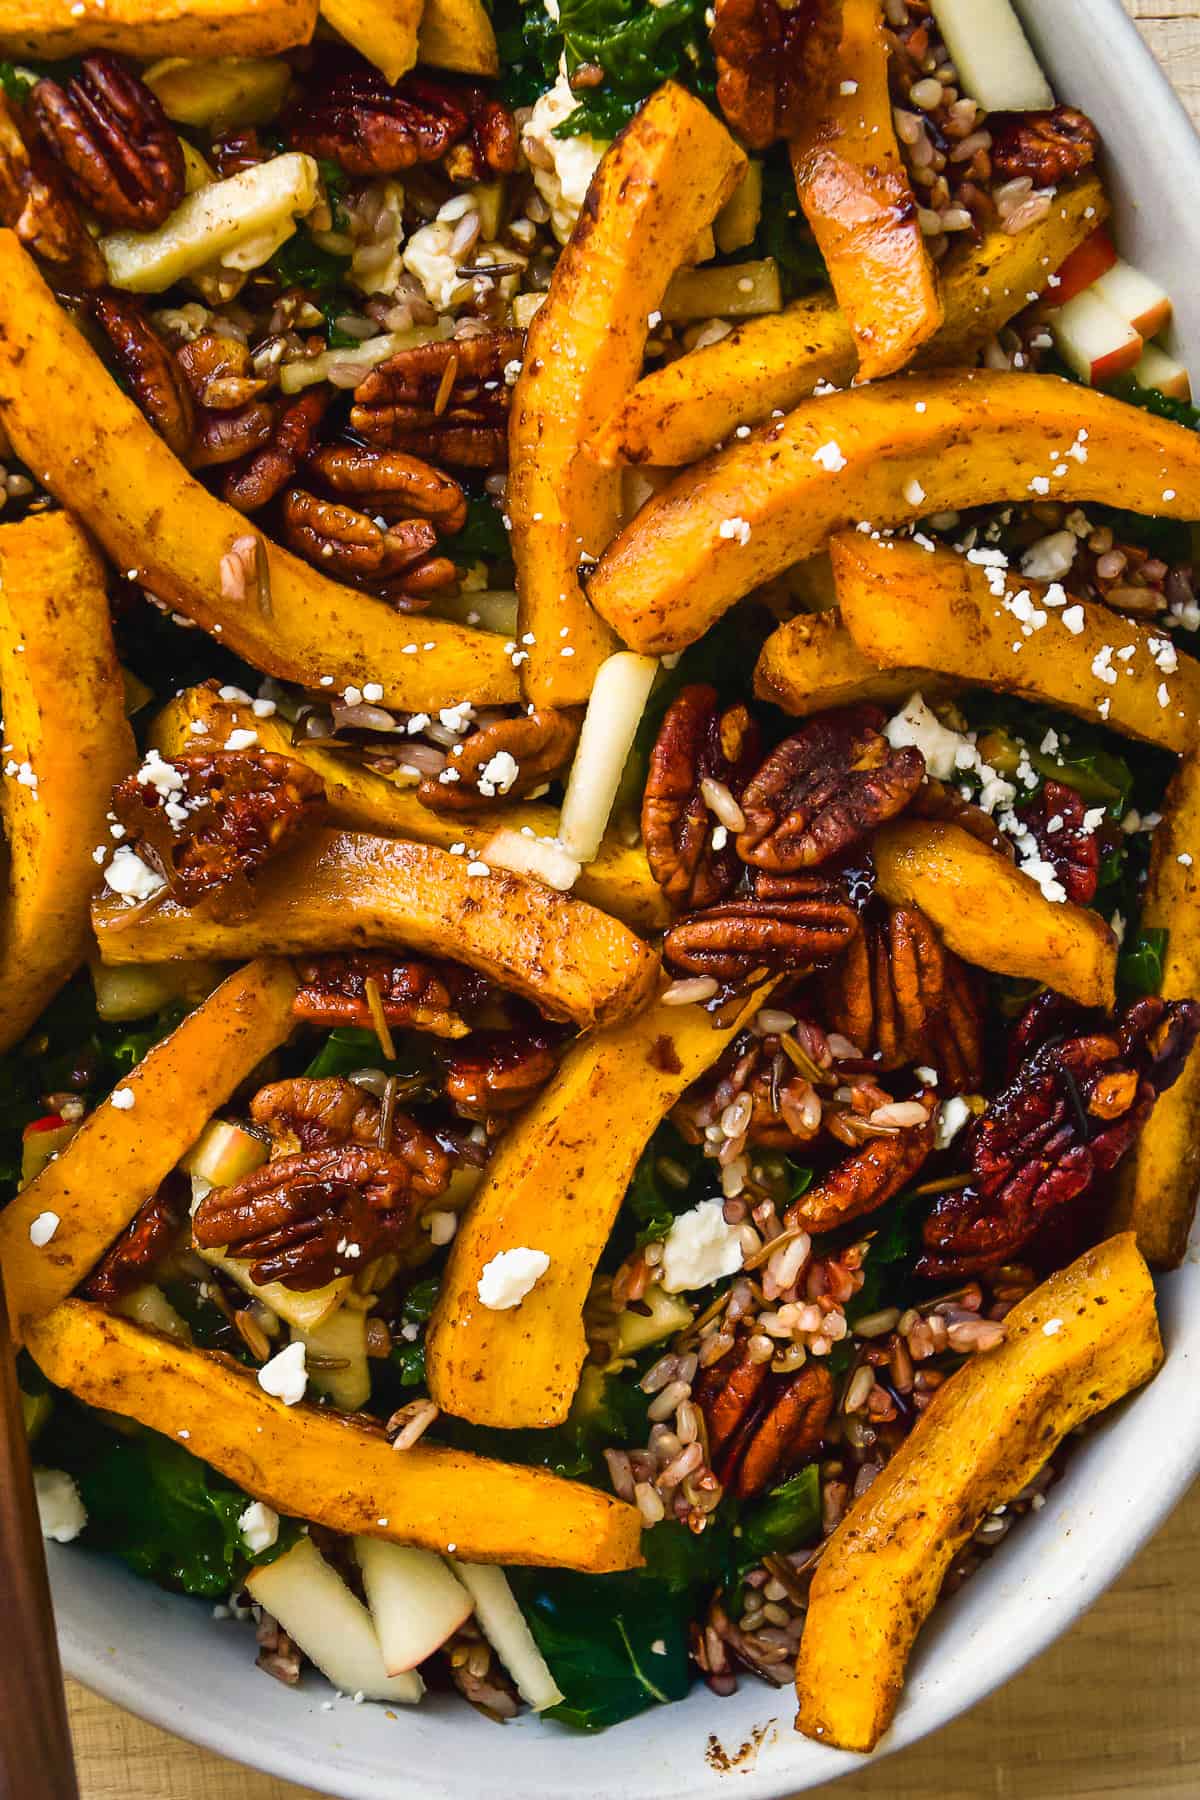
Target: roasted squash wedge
(116, 474)
(900, 602)
(384, 31)
(458, 34)
(66, 742)
(340, 890)
(1080, 1342)
(555, 1183)
(1156, 1183)
(811, 663)
(992, 914)
(48, 30)
(663, 179)
(326, 1467)
(860, 206)
(119, 1155)
(889, 452)
(618, 881)
(676, 414)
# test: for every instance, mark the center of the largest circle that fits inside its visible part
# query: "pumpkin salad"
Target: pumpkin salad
(589, 956)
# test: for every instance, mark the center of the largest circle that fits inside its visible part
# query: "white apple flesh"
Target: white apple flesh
(416, 1602)
(992, 55)
(1092, 339)
(1156, 369)
(1136, 297)
(223, 1153)
(503, 1624)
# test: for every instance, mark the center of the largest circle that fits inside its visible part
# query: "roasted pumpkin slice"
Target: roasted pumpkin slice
(66, 742)
(618, 881)
(341, 890)
(554, 1184)
(48, 30)
(1156, 1183)
(860, 206)
(1014, 635)
(885, 453)
(158, 523)
(1080, 1342)
(324, 1466)
(665, 177)
(993, 915)
(123, 1150)
(677, 413)
(811, 663)
(458, 34)
(384, 31)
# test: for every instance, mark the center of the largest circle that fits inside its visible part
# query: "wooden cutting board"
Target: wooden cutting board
(1110, 1711)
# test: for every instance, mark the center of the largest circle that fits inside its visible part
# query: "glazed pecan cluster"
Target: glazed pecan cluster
(761, 1425)
(350, 114)
(774, 63)
(447, 400)
(120, 154)
(1047, 147)
(410, 993)
(145, 1241)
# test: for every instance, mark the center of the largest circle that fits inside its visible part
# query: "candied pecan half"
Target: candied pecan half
(143, 1243)
(774, 62)
(391, 484)
(293, 435)
(824, 789)
(218, 816)
(225, 437)
(699, 753)
(888, 986)
(497, 1072)
(868, 1177)
(307, 1218)
(416, 995)
(1056, 821)
(761, 1426)
(347, 544)
(350, 113)
(448, 400)
(1048, 147)
(1063, 1121)
(317, 1112)
(219, 371)
(148, 367)
(35, 204)
(120, 152)
(504, 760)
(731, 941)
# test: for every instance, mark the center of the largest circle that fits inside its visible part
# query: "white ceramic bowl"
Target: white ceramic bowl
(163, 1657)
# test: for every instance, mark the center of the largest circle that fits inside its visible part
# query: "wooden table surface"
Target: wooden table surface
(1112, 1710)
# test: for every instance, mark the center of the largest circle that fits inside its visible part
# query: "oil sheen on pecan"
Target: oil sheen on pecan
(143, 1243)
(219, 371)
(414, 995)
(774, 62)
(761, 1426)
(1047, 147)
(696, 742)
(1056, 821)
(540, 743)
(348, 112)
(731, 941)
(1063, 1122)
(348, 545)
(293, 435)
(825, 789)
(497, 1072)
(391, 484)
(313, 1112)
(148, 367)
(232, 811)
(448, 401)
(34, 203)
(118, 149)
(866, 1179)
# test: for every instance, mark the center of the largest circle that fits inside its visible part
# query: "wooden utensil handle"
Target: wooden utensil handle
(35, 1741)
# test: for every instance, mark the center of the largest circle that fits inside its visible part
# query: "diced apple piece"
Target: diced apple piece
(737, 222)
(503, 1624)
(223, 1153)
(665, 1314)
(35, 1410)
(992, 55)
(725, 291)
(618, 700)
(226, 222)
(41, 1142)
(134, 992)
(416, 1602)
(1136, 297)
(306, 371)
(1155, 369)
(148, 1305)
(233, 90)
(334, 1630)
(341, 1341)
(1086, 263)
(1093, 339)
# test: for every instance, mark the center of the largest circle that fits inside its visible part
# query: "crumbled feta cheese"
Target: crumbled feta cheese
(61, 1513)
(738, 530)
(562, 167)
(830, 457)
(1052, 1327)
(428, 256)
(241, 739)
(43, 1229)
(916, 724)
(123, 1098)
(952, 1115)
(914, 493)
(1051, 557)
(498, 775)
(164, 777)
(130, 877)
(1102, 667)
(1073, 619)
(509, 1276)
(285, 1377)
(700, 1248)
(259, 1526)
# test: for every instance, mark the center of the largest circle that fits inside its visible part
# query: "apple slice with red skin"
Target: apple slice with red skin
(1155, 369)
(1086, 263)
(1136, 296)
(1093, 339)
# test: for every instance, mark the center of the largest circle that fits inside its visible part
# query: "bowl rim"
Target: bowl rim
(932, 1696)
